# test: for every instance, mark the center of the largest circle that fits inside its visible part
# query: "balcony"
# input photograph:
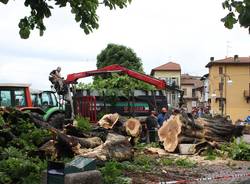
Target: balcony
(247, 95)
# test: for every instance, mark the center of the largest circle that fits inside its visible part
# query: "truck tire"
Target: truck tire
(57, 120)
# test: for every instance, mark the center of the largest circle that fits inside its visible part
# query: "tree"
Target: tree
(84, 10)
(126, 57)
(239, 12)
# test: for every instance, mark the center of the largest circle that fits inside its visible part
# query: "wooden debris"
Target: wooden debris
(108, 120)
(133, 127)
(182, 128)
(116, 147)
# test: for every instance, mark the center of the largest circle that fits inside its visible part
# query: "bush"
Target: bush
(83, 123)
(17, 167)
(210, 154)
(237, 150)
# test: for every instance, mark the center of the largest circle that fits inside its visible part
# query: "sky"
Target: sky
(159, 31)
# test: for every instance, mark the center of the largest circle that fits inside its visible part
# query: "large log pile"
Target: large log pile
(183, 128)
(101, 143)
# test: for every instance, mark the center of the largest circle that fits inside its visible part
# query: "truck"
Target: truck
(74, 104)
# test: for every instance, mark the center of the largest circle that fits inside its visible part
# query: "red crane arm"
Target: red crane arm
(158, 83)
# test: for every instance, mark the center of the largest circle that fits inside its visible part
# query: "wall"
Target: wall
(236, 105)
(165, 74)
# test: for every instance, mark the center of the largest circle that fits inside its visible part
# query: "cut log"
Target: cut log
(116, 147)
(91, 142)
(133, 127)
(108, 120)
(182, 128)
(169, 132)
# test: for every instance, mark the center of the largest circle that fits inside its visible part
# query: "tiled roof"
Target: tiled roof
(230, 60)
(170, 66)
(191, 80)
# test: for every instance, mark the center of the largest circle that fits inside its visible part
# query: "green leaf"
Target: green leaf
(4, 1)
(24, 33)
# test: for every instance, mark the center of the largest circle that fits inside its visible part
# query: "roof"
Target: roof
(170, 66)
(231, 61)
(14, 85)
(191, 80)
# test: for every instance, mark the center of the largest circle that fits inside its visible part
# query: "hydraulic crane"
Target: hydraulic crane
(72, 79)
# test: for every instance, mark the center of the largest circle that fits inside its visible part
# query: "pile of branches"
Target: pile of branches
(184, 129)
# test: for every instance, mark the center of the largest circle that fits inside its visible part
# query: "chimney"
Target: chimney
(236, 58)
(211, 59)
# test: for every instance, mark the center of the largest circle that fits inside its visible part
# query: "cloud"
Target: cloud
(187, 32)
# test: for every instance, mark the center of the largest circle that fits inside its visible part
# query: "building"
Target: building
(229, 86)
(171, 73)
(193, 91)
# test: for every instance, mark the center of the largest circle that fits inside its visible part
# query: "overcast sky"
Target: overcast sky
(159, 31)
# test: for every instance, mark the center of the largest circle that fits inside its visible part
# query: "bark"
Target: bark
(182, 128)
(116, 147)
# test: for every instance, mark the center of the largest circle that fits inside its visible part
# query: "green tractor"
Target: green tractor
(48, 102)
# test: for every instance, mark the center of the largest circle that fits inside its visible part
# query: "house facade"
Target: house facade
(193, 91)
(229, 86)
(171, 73)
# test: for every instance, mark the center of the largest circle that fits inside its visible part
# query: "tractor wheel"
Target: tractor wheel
(57, 120)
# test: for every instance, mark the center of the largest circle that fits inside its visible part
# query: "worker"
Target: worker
(161, 117)
(151, 126)
(151, 121)
(56, 79)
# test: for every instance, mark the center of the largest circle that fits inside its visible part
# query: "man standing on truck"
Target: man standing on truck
(56, 79)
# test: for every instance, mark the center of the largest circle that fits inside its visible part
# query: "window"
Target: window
(19, 96)
(193, 93)
(185, 91)
(48, 99)
(220, 70)
(5, 98)
(14, 97)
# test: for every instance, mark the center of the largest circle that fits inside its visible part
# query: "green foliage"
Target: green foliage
(237, 150)
(17, 167)
(184, 162)
(84, 12)
(20, 139)
(167, 161)
(144, 162)
(121, 55)
(83, 123)
(210, 154)
(112, 173)
(126, 57)
(239, 12)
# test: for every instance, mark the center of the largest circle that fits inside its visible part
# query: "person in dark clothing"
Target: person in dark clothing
(151, 125)
(151, 121)
(161, 116)
(56, 79)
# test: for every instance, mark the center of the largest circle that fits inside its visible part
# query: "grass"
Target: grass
(185, 163)
(210, 154)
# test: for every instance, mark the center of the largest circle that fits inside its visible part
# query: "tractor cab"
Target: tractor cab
(15, 95)
(44, 99)
(48, 102)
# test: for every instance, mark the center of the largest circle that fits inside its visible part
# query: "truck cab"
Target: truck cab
(15, 95)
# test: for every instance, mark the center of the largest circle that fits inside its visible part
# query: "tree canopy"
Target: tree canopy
(126, 57)
(239, 12)
(84, 11)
